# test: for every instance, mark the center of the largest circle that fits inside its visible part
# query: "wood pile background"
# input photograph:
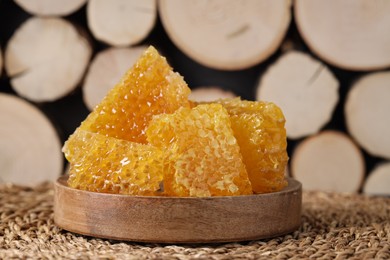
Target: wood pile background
(326, 63)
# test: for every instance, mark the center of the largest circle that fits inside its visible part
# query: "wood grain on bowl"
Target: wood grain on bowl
(178, 219)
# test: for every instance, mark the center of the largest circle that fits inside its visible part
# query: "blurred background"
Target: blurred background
(325, 63)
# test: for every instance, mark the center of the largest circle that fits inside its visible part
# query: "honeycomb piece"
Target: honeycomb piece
(204, 157)
(105, 164)
(150, 87)
(260, 133)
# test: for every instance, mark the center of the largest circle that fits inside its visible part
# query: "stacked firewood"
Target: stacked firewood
(325, 63)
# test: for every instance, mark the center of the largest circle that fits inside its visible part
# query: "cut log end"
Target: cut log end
(367, 113)
(209, 94)
(30, 148)
(228, 35)
(46, 67)
(105, 71)
(362, 24)
(121, 22)
(304, 88)
(378, 181)
(329, 161)
(50, 7)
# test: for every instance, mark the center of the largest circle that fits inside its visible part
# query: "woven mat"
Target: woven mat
(333, 226)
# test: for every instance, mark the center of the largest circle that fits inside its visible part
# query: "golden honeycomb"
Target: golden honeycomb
(261, 135)
(150, 87)
(105, 164)
(147, 138)
(203, 154)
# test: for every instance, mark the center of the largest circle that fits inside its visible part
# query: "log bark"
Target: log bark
(352, 35)
(329, 161)
(378, 181)
(121, 22)
(367, 110)
(304, 88)
(105, 70)
(29, 145)
(228, 35)
(50, 7)
(209, 94)
(46, 59)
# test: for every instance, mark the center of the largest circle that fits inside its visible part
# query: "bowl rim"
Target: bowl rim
(292, 185)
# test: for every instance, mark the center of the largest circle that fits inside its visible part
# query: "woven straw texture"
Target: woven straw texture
(333, 226)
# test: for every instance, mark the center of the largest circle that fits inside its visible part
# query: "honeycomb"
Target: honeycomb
(260, 133)
(105, 164)
(150, 87)
(203, 156)
(147, 138)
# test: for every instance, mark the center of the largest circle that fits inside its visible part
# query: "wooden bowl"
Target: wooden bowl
(178, 219)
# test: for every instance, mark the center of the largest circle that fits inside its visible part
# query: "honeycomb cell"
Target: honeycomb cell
(202, 153)
(261, 135)
(149, 88)
(105, 164)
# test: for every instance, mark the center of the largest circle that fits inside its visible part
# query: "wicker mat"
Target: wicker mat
(333, 226)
